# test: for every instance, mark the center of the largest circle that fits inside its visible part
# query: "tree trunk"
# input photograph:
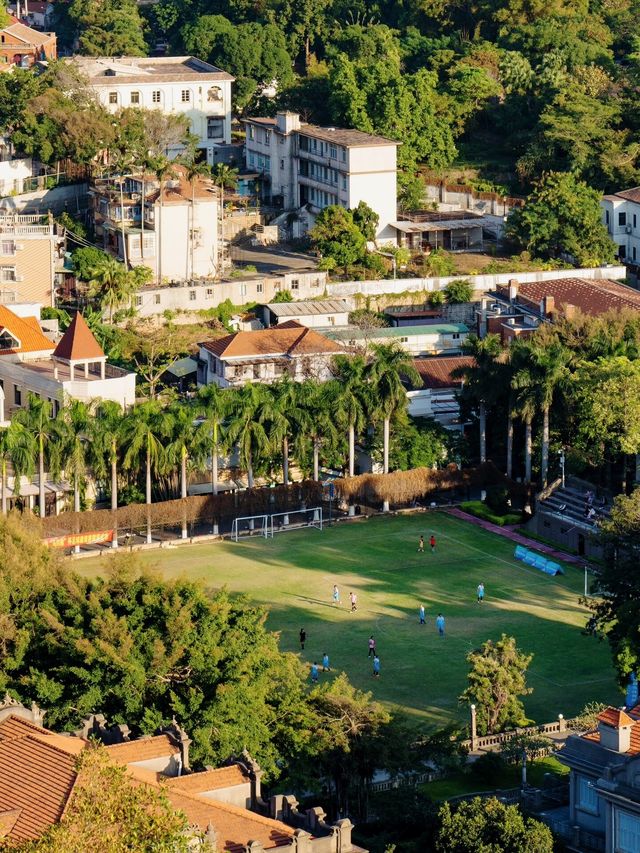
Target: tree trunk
(483, 432)
(4, 486)
(316, 460)
(41, 497)
(114, 500)
(142, 210)
(527, 451)
(385, 456)
(352, 450)
(250, 482)
(76, 507)
(285, 460)
(510, 446)
(214, 472)
(544, 462)
(183, 490)
(637, 468)
(148, 497)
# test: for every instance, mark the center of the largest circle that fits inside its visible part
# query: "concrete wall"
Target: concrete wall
(72, 198)
(13, 173)
(237, 795)
(459, 197)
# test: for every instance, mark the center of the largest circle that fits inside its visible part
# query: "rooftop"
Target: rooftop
(78, 342)
(28, 35)
(350, 333)
(288, 339)
(436, 372)
(143, 749)
(105, 70)
(408, 227)
(209, 780)
(25, 330)
(591, 297)
(342, 136)
(632, 194)
(295, 309)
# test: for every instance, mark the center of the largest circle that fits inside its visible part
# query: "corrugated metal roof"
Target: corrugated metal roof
(355, 333)
(183, 367)
(296, 309)
(447, 225)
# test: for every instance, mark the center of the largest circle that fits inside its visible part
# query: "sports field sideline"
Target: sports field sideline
(293, 575)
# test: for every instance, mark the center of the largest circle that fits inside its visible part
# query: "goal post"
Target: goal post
(247, 525)
(295, 519)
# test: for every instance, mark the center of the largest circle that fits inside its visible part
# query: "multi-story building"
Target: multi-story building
(173, 84)
(177, 236)
(267, 355)
(23, 46)
(621, 216)
(75, 368)
(307, 166)
(31, 250)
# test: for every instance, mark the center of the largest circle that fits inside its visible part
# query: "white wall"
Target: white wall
(627, 235)
(372, 179)
(13, 174)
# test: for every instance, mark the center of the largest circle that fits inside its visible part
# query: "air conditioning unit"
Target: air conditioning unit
(495, 306)
(628, 229)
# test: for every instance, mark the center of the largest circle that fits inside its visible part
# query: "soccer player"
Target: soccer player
(372, 647)
(440, 624)
(480, 593)
(336, 594)
(421, 614)
(421, 545)
(303, 638)
(314, 673)
(376, 667)
(353, 598)
(325, 663)
(432, 542)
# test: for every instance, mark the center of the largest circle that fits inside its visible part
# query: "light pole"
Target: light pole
(561, 454)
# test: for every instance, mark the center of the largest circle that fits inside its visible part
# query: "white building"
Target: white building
(176, 236)
(313, 314)
(173, 84)
(76, 368)
(433, 339)
(438, 396)
(311, 166)
(621, 217)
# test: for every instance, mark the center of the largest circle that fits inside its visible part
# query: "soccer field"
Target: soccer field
(293, 575)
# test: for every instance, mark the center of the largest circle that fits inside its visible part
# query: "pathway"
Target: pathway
(518, 538)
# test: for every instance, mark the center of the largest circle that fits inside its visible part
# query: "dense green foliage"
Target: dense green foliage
(489, 825)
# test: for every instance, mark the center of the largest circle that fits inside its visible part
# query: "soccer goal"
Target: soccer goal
(250, 525)
(295, 520)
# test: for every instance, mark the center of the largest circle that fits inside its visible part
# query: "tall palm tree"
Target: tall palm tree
(349, 397)
(37, 419)
(390, 363)
(182, 428)
(74, 424)
(194, 169)
(146, 431)
(212, 407)
(106, 438)
(246, 426)
(112, 284)
(551, 363)
(18, 449)
(524, 388)
(314, 420)
(285, 415)
(480, 384)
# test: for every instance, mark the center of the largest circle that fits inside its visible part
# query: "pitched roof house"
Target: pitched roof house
(437, 397)
(23, 46)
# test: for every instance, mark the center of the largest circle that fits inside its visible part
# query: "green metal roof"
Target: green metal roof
(183, 367)
(350, 333)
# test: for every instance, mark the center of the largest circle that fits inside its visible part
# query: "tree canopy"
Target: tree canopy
(488, 826)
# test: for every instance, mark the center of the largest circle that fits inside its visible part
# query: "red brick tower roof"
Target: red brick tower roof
(78, 342)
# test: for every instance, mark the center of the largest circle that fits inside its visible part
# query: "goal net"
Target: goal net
(279, 522)
(250, 525)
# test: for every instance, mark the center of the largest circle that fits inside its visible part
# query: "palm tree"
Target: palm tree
(112, 284)
(194, 170)
(106, 436)
(551, 363)
(284, 414)
(224, 177)
(212, 407)
(37, 420)
(314, 420)
(349, 397)
(17, 448)
(480, 384)
(246, 426)
(390, 362)
(524, 387)
(74, 423)
(146, 430)
(182, 428)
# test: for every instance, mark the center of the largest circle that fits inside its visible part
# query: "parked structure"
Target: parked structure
(223, 806)
(266, 356)
(434, 339)
(31, 251)
(437, 398)
(458, 231)
(23, 46)
(176, 235)
(76, 368)
(604, 807)
(172, 84)
(313, 314)
(304, 166)
(621, 216)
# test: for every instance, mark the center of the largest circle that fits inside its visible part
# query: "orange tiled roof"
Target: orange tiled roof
(591, 297)
(615, 717)
(289, 338)
(209, 780)
(26, 330)
(143, 749)
(78, 342)
(436, 372)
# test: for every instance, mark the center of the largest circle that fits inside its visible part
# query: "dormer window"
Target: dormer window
(8, 341)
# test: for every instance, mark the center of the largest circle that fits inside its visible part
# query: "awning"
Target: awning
(183, 367)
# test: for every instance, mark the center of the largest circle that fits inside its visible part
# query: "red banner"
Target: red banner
(94, 538)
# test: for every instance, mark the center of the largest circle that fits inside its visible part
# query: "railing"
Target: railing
(484, 741)
(405, 781)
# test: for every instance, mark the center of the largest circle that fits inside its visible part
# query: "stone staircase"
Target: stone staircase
(569, 503)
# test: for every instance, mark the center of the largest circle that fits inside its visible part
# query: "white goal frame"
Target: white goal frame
(262, 529)
(316, 520)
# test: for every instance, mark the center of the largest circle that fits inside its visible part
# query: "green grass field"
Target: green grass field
(293, 575)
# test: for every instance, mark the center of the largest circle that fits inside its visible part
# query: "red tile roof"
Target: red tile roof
(615, 718)
(630, 195)
(143, 749)
(78, 342)
(209, 780)
(436, 372)
(288, 338)
(591, 297)
(26, 330)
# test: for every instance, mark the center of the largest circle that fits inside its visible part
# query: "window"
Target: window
(333, 151)
(634, 253)
(343, 154)
(192, 296)
(331, 321)
(455, 336)
(622, 251)
(627, 838)
(156, 298)
(209, 293)
(135, 97)
(185, 96)
(295, 284)
(156, 96)
(282, 164)
(606, 216)
(634, 220)
(267, 137)
(8, 247)
(138, 301)
(587, 796)
(344, 182)
(17, 395)
(8, 274)
(259, 287)
(252, 132)
(404, 340)
(622, 219)
(215, 127)
(113, 97)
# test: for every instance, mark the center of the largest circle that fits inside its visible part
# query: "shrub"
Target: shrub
(481, 510)
(489, 769)
(283, 296)
(459, 291)
(436, 299)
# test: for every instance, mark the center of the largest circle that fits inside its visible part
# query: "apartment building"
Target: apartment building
(177, 236)
(23, 46)
(621, 216)
(174, 84)
(303, 165)
(31, 250)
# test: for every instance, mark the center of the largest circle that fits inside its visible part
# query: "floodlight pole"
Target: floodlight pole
(561, 453)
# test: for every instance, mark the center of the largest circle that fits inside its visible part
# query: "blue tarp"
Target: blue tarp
(538, 561)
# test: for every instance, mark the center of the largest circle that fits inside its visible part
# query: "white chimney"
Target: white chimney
(614, 727)
(287, 122)
(514, 286)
